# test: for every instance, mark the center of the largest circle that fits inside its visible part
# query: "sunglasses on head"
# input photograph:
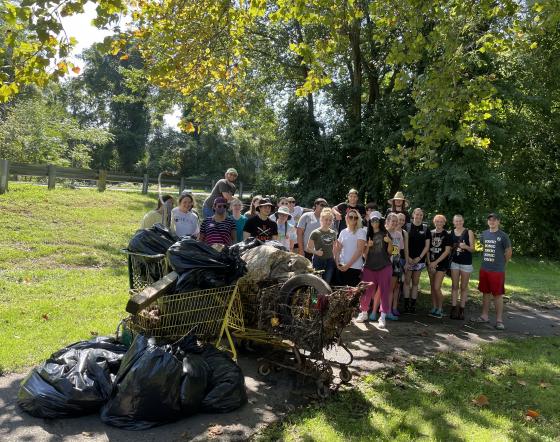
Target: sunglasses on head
(322, 205)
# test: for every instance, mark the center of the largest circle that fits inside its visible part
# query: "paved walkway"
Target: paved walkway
(271, 398)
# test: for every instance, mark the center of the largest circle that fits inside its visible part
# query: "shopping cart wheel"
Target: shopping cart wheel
(345, 375)
(323, 390)
(264, 369)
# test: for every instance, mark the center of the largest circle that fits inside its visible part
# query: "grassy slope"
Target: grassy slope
(62, 275)
(433, 400)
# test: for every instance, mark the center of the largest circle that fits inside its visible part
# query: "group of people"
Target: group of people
(350, 242)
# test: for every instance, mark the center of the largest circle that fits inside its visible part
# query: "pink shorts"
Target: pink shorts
(491, 282)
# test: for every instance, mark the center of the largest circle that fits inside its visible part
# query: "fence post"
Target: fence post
(4, 171)
(241, 190)
(182, 185)
(102, 180)
(145, 184)
(51, 173)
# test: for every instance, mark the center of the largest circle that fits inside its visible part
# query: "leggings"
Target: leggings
(381, 279)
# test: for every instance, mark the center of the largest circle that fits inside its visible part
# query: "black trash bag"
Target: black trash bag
(75, 381)
(153, 241)
(147, 391)
(202, 267)
(195, 382)
(226, 383)
(247, 244)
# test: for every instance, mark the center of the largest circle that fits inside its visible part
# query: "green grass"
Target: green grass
(62, 275)
(433, 400)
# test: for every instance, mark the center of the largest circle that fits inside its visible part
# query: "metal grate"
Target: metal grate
(144, 270)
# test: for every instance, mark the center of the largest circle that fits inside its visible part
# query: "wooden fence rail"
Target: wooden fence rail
(102, 177)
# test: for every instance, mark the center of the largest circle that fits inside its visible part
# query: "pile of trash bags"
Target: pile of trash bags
(200, 266)
(135, 388)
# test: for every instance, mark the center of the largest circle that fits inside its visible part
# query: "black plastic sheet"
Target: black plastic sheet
(153, 241)
(201, 267)
(74, 381)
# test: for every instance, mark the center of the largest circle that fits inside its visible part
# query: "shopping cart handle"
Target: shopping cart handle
(151, 293)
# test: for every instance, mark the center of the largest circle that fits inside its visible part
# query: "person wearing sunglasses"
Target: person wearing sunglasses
(295, 210)
(218, 229)
(349, 250)
(224, 188)
(309, 222)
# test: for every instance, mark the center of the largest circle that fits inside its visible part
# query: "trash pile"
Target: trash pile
(153, 241)
(135, 388)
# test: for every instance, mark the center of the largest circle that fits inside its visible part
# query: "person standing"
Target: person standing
(320, 245)
(496, 252)
(349, 250)
(184, 222)
(260, 226)
(157, 216)
(461, 265)
(342, 209)
(438, 263)
(378, 269)
(224, 188)
(308, 222)
(295, 210)
(418, 248)
(392, 225)
(286, 230)
(218, 229)
(253, 207)
(235, 205)
(398, 205)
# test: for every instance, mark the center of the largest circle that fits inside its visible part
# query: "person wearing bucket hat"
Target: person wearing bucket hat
(286, 230)
(496, 252)
(260, 226)
(224, 188)
(398, 205)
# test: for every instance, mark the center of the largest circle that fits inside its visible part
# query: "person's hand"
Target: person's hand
(433, 267)
(338, 217)
(300, 251)
(462, 245)
(386, 239)
(416, 260)
(370, 243)
(318, 252)
(343, 268)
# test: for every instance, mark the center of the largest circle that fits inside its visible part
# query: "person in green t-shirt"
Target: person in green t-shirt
(320, 244)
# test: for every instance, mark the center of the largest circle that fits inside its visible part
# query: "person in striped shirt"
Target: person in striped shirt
(218, 229)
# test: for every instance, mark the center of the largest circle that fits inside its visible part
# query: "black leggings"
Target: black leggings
(350, 277)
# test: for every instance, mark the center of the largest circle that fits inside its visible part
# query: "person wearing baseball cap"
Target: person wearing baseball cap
(352, 203)
(224, 188)
(260, 226)
(309, 222)
(218, 229)
(496, 252)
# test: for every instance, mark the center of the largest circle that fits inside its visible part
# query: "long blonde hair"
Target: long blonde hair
(358, 221)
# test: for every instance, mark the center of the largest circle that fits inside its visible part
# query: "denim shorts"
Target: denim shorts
(462, 267)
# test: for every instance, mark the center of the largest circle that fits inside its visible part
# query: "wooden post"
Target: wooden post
(145, 184)
(102, 180)
(4, 171)
(51, 173)
(241, 190)
(182, 185)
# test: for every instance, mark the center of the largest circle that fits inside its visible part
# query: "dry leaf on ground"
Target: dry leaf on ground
(215, 430)
(532, 413)
(522, 382)
(481, 401)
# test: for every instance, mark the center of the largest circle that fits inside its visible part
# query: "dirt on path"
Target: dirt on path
(414, 336)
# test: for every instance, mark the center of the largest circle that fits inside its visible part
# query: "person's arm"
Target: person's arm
(228, 196)
(311, 248)
(405, 240)
(246, 235)
(335, 211)
(234, 235)
(299, 231)
(444, 255)
(464, 246)
(424, 253)
(202, 234)
(387, 238)
(508, 253)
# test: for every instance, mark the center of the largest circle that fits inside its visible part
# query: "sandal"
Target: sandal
(479, 320)
(500, 326)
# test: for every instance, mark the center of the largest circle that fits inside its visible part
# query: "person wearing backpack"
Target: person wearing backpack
(418, 239)
(461, 265)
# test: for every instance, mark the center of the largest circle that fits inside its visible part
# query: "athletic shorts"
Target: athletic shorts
(418, 267)
(491, 282)
(462, 267)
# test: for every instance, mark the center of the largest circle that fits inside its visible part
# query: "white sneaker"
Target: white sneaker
(362, 317)
(381, 322)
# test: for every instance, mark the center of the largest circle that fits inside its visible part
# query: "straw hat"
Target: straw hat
(398, 196)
